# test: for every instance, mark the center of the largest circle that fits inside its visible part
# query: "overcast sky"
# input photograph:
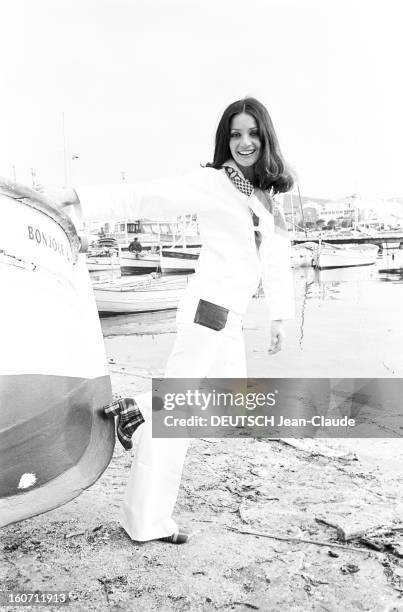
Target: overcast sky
(142, 84)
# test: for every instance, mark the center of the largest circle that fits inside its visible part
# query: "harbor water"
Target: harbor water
(348, 323)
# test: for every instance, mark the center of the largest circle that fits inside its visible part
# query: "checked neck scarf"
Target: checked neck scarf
(246, 187)
(264, 196)
(239, 181)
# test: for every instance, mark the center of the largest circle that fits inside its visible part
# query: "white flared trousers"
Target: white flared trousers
(154, 479)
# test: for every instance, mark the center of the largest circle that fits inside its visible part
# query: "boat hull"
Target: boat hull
(54, 443)
(130, 263)
(144, 296)
(171, 261)
(179, 261)
(346, 257)
(54, 438)
(96, 264)
(331, 264)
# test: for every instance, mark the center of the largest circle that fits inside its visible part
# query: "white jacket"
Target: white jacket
(229, 268)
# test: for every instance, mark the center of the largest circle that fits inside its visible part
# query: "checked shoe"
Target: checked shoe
(129, 418)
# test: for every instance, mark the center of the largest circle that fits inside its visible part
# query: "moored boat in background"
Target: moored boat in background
(104, 255)
(179, 260)
(96, 263)
(343, 256)
(145, 294)
(139, 263)
(174, 260)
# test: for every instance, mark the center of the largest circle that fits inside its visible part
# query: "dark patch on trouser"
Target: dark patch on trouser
(211, 315)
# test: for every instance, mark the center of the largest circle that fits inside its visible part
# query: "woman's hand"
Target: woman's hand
(277, 335)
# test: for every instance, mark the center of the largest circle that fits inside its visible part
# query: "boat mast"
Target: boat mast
(302, 211)
(64, 152)
(292, 213)
(33, 177)
(184, 231)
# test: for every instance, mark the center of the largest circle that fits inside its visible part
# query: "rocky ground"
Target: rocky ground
(277, 525)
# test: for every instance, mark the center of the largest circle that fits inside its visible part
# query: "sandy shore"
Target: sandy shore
(317, 491)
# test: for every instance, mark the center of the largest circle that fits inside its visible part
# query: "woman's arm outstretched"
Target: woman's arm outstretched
(190, 193)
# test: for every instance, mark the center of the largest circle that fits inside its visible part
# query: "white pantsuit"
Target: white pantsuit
(228, 273)
(156, 472)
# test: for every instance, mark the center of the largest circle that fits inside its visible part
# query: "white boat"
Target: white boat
(170, 261)
(139, 263)
(179, 260)
(344, 256)
(105, 255)
(148, 294)
(346, 274)
(96, 263)
(54, 438)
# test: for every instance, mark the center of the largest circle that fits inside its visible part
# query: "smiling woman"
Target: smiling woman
(244, 142)
(245, 241)
(247, 135)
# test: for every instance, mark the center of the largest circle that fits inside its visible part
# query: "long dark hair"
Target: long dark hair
(271, 171)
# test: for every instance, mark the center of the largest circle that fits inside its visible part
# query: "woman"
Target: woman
(245, 241)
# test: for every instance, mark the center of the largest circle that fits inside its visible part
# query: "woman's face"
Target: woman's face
(244, 142)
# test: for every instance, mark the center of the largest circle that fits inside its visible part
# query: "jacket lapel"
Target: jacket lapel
(262, 203)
